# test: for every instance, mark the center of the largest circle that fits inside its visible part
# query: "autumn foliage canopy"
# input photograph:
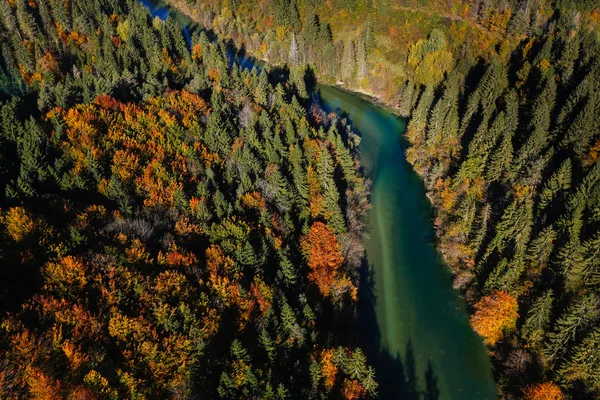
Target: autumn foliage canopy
(543, 391)
(323, 252)
(494, 315)
(152, 216)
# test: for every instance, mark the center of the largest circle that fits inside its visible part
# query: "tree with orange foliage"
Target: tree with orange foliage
(494, 315)
(262, 294)
(328, 368)
(353, 390)
(314, 192)
(324, 255)
(543, 391)
(41, 386)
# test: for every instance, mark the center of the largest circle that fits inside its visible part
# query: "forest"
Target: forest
(172, 225)
(502, 99)
(376, 46)
(512, 167)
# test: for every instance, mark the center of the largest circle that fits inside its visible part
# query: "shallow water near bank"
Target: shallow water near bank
(413, 324)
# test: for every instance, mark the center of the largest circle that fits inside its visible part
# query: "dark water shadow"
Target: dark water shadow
(431, 391)
(397, 376)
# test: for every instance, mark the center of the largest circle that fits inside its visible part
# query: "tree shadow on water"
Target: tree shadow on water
(431, 390)
(397, 376)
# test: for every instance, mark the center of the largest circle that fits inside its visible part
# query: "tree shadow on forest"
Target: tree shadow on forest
(397, 376)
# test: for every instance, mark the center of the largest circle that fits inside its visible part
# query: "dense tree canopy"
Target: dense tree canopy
(172, 225)
(516, 189)
(504, 129)
(383, 46)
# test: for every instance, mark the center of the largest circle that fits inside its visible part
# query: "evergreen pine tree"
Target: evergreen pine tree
(581, 314)
(538, 319)
(584, 365)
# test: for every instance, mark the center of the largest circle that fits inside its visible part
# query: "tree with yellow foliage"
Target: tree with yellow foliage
(18, 223)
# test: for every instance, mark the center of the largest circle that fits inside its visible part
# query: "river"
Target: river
(414, 325)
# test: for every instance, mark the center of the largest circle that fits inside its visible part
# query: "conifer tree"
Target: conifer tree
(539, 127)
(26, 20)
(406, 99)
(559, 181)
(310, 28)
(585, 271)
(582, 313)
(538, 319)
(415, 132)
(584, 365)
(570, 54)
(261, 90)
